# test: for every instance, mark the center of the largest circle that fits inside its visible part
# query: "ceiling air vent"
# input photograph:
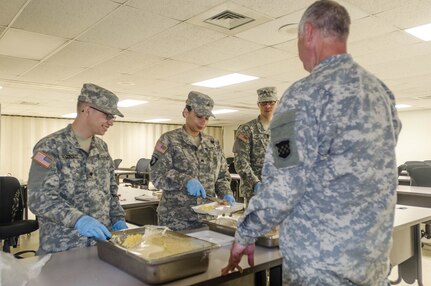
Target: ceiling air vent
(228, 20)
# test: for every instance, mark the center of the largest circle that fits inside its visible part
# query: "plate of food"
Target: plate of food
(218, 208)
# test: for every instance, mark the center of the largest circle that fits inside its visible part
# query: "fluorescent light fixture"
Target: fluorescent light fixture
(1, 87)
(222, 111)
(130, 102)
(157, 120)
(422, 32)
(400, 106)
(69, 115)
(225, 80)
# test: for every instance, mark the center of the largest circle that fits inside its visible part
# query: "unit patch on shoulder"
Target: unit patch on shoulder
(43, 159)
(242, 137)
(161, 148)
(283, 149)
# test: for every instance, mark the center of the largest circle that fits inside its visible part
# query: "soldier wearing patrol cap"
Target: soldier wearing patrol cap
(251, 140)
(71, 185)
(188, 165)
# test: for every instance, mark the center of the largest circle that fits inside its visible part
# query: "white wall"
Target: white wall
(126, 140)
(414, 142)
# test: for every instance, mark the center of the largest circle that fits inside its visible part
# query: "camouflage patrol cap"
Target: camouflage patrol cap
(267, 94)
(100, 98)
(200, 103)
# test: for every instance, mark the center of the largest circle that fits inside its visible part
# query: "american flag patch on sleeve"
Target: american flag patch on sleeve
(161, 148)
(42, 159)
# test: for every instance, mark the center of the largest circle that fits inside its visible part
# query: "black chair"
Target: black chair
(117, 163)
(420, 176)
(12, 223)
(412, 165)
(142, 176)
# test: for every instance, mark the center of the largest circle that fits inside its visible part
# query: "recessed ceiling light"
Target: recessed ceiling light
(1, 87)
(130, 102)
(157, 120)
(400, 106)
(225, 80)
(69, 115)
(221, 111)
(422, 32)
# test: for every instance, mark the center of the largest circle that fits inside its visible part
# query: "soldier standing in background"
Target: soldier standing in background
(71, 186)
(187, 165)
(329, 177)
(251, 140)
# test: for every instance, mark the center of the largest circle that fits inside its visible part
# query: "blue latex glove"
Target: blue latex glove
(257, 187)
(195, 188)
(91, 227)
(119, 225)
(229, 198)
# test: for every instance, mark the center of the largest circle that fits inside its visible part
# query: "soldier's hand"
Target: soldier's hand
(91, 227)
(195, 188)
(229, 198)
(236, 252)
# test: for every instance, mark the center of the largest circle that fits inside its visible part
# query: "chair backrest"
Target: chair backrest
(142, 168)
(11, 200)
(117, 163)
(410, 166)
(421, 176)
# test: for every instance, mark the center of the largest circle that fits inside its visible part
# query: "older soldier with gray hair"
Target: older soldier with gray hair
(189, 165)
(71, 185)
(330, 173)
(251, 140)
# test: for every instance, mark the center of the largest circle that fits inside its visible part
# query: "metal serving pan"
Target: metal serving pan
(228, 227)
(163, 268)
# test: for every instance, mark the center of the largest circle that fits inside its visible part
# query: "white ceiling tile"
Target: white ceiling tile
(275, 8)
(164, 69)
(126, 27)
(411, 14)
(269, 33)
(81, 54)
(62, 18)
(15, 43)
(197, 74)
(374, 7)
(8, 10)
(49, 73)
(369, 27)
(178, 39)
(15, 66)
(178, 9)
(222, 49)
(252, 59)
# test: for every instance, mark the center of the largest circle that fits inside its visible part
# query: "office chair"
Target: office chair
(142, 176)
(117, 163)
(420, 176)
(12, 223)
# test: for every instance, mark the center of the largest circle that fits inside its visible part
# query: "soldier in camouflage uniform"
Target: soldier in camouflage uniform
(71, 185)
(329, 175)
(187, 165)
(251, 140)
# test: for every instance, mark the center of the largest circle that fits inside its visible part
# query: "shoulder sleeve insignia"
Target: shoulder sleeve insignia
(283, 149)
(43, 159)
(242, 137)
(161, 148)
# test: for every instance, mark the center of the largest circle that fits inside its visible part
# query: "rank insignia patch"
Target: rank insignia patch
(283, 149)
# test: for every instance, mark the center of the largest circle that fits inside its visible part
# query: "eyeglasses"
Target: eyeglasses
(108, 116)
(263, 103)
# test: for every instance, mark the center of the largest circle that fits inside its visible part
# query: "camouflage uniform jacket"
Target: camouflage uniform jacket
(249, 149)
(70, 184)
(330, 178)
(175, 161)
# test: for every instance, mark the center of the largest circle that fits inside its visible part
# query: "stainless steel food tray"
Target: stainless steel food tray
(267, 241)
(161, 270)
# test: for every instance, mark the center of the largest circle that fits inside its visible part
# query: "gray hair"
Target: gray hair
(329, 17)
